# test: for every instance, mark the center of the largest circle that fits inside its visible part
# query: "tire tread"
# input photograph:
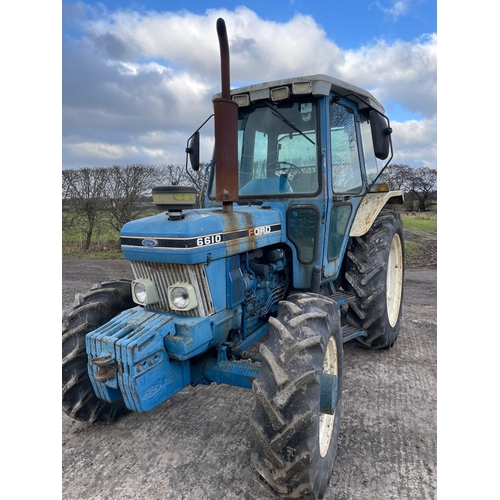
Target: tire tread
(89, 311)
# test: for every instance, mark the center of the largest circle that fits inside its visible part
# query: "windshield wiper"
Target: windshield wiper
(288, 122)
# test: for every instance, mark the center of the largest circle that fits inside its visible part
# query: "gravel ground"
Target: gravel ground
(197, 444)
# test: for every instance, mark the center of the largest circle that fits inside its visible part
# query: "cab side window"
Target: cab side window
(346, 170)
(372, 164)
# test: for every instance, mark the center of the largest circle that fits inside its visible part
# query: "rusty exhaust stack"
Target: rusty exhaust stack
(226, 131)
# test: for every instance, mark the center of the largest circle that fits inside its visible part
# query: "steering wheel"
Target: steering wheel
(284, 170)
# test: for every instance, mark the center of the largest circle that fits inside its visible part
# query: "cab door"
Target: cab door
(346, 184)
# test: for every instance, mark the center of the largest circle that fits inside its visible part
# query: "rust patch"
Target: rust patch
(226, 130)
(226, 149)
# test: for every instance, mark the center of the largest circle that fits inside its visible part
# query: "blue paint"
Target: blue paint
(329, 389)
(190, 240)
(144, 375)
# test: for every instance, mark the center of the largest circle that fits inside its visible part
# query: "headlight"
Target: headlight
(181, 297)
(144, 292)
(140, 292)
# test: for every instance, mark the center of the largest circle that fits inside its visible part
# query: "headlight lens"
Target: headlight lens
(182, 297)
(179, 297)
(140, 292)
(144, 292)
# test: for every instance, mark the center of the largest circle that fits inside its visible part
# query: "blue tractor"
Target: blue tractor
(296, 252)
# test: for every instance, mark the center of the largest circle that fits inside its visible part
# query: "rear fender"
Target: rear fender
(370, 207)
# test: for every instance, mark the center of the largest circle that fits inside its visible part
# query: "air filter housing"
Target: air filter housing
(174, 199)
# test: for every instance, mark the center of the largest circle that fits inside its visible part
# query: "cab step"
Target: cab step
(349, 332)
(342, 297)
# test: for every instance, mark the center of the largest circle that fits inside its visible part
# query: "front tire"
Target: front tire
(375, 275)
(295, 441)
(90, 311)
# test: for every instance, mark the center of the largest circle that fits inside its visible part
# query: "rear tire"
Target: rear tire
(375, 275)
(90, 311)
(295, 443)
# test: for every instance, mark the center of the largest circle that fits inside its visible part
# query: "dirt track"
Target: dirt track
(197, 444)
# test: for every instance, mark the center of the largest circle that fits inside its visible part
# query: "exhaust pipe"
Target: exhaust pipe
(224, 58)
(226, 131)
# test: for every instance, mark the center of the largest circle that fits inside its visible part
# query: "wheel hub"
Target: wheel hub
(394, 280)
(329, 385)
(329, 396)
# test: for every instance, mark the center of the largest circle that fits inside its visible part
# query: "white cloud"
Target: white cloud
(397, 9)
(401, 72)
(414, 142)
(259, 49)
(134, 78)
(101, 150)
(133, 69)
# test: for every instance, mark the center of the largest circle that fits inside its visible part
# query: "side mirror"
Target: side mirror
(380, 134)
(193, 150)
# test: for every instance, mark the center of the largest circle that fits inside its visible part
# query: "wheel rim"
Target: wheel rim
(326, 421)
(394, 280)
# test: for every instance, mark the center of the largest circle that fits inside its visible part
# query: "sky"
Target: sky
(138, 77)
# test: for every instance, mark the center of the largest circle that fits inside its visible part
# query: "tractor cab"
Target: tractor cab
(310, 147)
(290, 130)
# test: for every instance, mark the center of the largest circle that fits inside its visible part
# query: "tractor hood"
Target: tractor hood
(202, 235)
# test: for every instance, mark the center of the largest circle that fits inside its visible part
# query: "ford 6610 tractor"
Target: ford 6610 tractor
(295, 253)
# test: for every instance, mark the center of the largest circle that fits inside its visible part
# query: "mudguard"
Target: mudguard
(370, 207)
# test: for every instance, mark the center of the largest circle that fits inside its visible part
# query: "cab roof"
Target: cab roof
(321, 85)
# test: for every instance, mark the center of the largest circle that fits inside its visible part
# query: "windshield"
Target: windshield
(277, 149)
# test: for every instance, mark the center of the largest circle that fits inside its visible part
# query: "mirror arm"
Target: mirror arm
(189, 173)
(194, 133)
(190, 150)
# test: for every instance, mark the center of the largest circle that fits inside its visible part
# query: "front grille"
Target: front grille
(164, 275)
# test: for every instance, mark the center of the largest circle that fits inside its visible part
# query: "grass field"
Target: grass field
(105, 242)
(420, 241)
(419, 225)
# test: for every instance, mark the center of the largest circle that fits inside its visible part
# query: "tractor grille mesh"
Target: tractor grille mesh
(164, 275)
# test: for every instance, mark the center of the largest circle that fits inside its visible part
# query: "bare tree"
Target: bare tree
(173, 175)
(396, 176)
(423, 187)
(125, 188)
(83, 191)
(419, 184)
(199, 180)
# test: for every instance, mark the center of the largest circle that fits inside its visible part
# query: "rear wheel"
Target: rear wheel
(90, 311)
(296, 428)
(375, 275)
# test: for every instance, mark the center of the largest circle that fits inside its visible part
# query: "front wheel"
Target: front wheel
(296, 419)
(90, 311)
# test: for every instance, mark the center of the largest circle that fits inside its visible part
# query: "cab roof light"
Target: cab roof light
(280, 93)
(302, 88)
(242, 100)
